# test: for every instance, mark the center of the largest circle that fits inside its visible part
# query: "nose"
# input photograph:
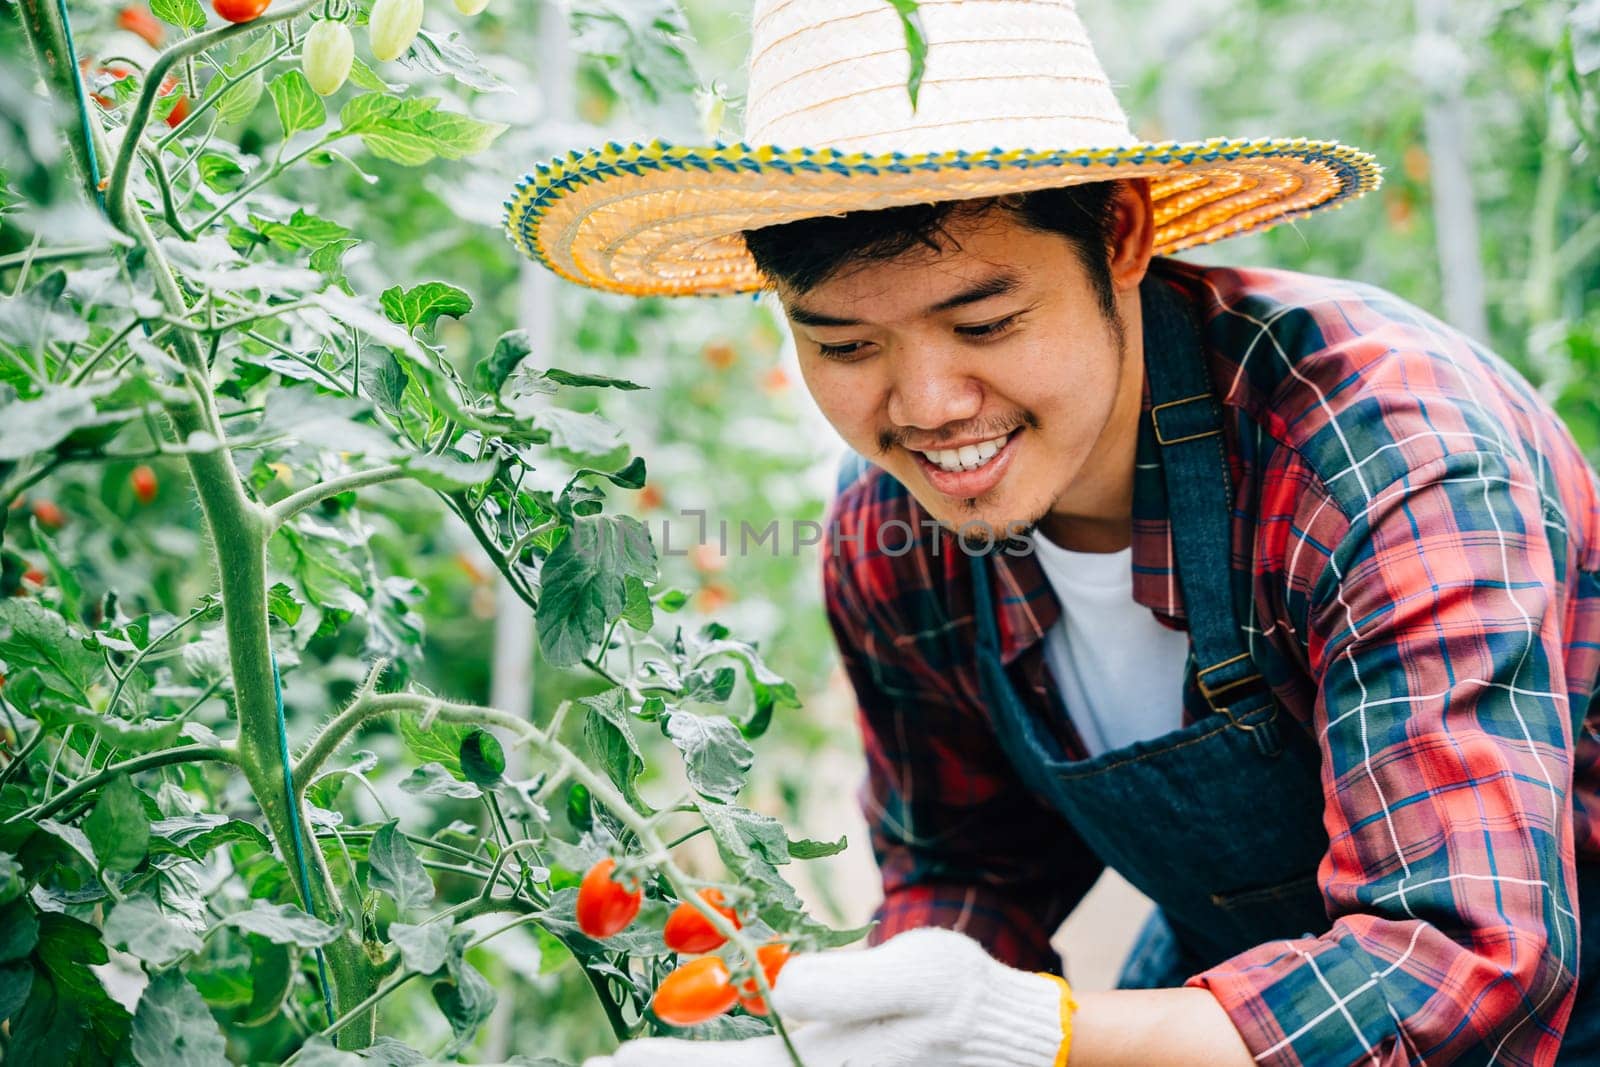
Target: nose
(930, 390)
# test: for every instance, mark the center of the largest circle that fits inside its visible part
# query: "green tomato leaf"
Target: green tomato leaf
(411, 131)
(384, 380)
(329, 258)
(298, 105)
(302, 230)
(138, 925)
(716, 756)
(589, 381)
(583, 583)
(443, 55)
(16, 983)
(396, 869)
(483, 760)
(38, 425)
(509, 350)
(422, 948)
(363, 77)
(467, 1002)
(272, 974)
(639, 45)
(580, 807)
(11, 883)
(282, 924)
(19, 931)
(807, 849)
(582, 434)
(68, 948)
(710, 686)
(440, 743)
(610, 738)
(422, 305)
(433, 780)
(636, 605)
(448, 472)
(118, 827)
(174, 1028)
(240, 99)
(184, 14)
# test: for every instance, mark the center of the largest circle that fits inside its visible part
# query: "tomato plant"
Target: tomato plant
(257, 800)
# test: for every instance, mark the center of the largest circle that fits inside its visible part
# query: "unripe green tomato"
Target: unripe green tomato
(392, 26)
(471, 7)
(327, 54)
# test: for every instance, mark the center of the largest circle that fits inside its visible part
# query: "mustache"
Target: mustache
(890, 438)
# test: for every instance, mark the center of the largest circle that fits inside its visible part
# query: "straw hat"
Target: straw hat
(1013, 99)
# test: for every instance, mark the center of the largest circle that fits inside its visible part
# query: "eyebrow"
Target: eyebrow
(996, 285)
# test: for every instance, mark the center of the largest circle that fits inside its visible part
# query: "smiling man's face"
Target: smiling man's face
(987, 376)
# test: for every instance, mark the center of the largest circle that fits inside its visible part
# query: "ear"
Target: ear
(1133, 234)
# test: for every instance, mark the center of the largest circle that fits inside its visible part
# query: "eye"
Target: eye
(843, 353)
(989, 329)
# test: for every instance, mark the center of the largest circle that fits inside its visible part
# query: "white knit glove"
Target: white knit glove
(928, 996)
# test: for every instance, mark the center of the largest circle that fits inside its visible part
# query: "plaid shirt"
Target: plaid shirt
(1422, 535)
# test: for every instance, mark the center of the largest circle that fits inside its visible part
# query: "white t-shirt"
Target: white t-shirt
(1120, 672)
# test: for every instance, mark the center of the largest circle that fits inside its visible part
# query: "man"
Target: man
(1270, 591)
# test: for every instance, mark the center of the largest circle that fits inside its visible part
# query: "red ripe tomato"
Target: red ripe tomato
(49, 514)
(179, 112)
(240, 10)
(605, 906)
(689, 932)
(140, 21)
(695, 992)
(144, 483)
(771, 958)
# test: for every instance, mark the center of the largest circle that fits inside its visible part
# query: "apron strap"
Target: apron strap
(1187, 420)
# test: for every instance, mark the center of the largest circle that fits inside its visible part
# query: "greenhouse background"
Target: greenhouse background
(1485, 115)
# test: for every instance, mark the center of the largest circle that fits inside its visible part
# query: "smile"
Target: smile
(968, 471)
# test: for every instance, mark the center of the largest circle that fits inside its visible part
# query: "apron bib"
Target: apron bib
(1219, 822)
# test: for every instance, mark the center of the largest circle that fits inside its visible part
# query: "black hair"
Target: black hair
(802, 255)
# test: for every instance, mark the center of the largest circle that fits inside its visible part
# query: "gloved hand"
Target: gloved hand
(927, 996)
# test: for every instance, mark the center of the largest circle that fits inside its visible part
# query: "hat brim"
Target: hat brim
(663, 220)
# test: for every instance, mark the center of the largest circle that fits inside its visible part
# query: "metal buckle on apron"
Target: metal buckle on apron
(1185, 426)
(1264, 731)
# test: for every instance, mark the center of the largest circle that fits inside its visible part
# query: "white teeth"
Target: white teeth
(967, 457)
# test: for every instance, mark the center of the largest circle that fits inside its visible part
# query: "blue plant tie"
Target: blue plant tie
(83, 105)
(294, 831)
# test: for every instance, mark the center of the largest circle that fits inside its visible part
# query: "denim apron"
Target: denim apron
(1219, 822)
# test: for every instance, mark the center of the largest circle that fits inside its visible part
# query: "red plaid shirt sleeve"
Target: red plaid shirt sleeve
(1432, 622)
(960, 842)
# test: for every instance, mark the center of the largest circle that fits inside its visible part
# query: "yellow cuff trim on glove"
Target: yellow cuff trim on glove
(1068, 1006)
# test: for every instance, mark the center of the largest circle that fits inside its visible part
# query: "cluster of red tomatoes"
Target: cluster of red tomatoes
(699, 989)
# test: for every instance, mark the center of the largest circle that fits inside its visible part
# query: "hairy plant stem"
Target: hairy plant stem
(292, 505)
(149, 761)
